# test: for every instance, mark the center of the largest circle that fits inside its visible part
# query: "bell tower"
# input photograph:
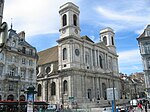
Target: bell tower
(107, 36)
(69, 19)
(1, 10)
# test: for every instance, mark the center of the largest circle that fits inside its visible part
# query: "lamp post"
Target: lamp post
(3, 28)
(3, 35)
(19, 86)
(30, 98)
(113, 102)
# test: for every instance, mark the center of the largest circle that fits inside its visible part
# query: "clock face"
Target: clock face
(77, 52)
(76, 31)
(13, 44)
(63, 31)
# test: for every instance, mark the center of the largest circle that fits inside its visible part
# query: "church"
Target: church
(78, 70)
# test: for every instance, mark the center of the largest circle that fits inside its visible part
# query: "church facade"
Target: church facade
(77, 70)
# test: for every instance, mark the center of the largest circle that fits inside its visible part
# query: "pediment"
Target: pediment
(102, 45)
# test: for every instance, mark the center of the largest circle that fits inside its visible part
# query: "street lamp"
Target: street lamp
(3, 35)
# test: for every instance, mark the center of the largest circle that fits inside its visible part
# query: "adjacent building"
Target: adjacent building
(144, 46)
(77, 70)
(17, 67)
(133, 86)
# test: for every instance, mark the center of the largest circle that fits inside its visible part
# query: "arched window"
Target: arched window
(100, 61)
(64, 53)
(105, 40)
(87, 58)
(48, 69)
(64, 20)
(22, 98)
(10, 97)
(39, 90)
(147, 48)
(75, 20)
(53, 88)
(112, 39)
(89, 94)
(104, 91)
(65, 85)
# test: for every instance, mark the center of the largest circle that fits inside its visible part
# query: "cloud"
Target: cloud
(113, 15)
(34, 16)
(124, 15)
(130, 61)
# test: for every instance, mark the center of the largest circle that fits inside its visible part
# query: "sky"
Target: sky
(41, 22)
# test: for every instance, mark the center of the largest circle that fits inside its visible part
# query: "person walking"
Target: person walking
(140, 107)
(145, 106)
(131, 109)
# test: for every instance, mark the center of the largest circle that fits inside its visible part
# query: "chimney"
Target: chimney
(22, 35)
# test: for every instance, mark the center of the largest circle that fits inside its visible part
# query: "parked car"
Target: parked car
(107, 110)
(51, 107)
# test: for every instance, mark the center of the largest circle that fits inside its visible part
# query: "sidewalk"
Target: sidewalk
(138, 110)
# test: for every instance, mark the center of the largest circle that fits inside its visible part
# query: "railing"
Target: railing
(28, 53)
(12, 76)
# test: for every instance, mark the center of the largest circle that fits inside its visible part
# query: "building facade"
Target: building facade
(133, 85)
(144, 46)
(77, 70)
(17, 67)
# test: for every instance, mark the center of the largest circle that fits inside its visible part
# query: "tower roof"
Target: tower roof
(69, 5)
(107, 29)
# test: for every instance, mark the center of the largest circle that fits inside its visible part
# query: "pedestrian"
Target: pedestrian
(140, 106)
(131, 109)
(146, 106)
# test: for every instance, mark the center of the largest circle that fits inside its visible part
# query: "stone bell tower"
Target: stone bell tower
(107, 36)
(69, 19)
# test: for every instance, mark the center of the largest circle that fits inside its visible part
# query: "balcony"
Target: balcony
(12, 77)
(28, 53)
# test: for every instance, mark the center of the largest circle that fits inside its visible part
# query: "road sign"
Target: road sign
(71, 99)
(110, 95)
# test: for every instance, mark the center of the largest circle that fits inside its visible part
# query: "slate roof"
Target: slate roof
(142, 35)
(11, 33)
(25, 43)
(48, 55)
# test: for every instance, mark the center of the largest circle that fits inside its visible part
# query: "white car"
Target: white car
(107, 110)
(51, 107)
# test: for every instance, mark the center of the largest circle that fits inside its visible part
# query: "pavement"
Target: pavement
(139, 110)
(135, 109)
